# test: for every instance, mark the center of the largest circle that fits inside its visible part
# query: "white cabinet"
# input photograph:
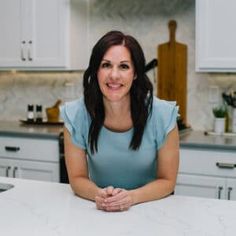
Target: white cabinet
(215, 36)
(27, 158)
(34, 33)
(207, 173)
(29, 170)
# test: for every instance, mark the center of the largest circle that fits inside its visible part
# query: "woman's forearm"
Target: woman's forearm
(84, 188)
(152, 191)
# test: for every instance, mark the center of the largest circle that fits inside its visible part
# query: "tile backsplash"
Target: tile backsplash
(147, 21)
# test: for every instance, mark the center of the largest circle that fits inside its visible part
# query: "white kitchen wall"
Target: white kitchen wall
(147, 21)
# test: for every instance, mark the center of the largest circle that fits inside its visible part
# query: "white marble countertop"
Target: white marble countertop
(48, 209)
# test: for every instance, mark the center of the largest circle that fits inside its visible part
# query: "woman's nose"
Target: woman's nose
(114, 73)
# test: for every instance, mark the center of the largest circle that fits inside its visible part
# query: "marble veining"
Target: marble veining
(43, 208)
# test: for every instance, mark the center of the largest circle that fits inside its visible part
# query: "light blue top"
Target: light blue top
(114, 163)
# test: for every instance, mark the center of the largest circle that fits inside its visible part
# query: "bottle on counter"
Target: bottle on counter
(38, 114)
(30, 113)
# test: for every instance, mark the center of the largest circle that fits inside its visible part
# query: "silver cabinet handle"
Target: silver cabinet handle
(229, 192)
(225, 165)
(30, 58)
(14, 172)
(220, 188)
(22, 51)
(7, 171)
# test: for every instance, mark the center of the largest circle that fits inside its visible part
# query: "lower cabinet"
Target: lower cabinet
(30, 158)
(207, 173)
(29, 170)
(209, 187)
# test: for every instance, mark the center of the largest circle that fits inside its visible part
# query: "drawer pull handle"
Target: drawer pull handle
(14, 172)
(229, 191)
(7, 171)
(226, 165)
(220, 188)
(12, 149)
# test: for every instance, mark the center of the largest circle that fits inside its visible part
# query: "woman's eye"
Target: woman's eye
(106, 65)
(124, 66)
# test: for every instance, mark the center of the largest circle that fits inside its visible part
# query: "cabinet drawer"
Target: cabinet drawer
(29, 149)
(215, 163)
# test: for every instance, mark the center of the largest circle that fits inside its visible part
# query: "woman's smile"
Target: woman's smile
(114, 86)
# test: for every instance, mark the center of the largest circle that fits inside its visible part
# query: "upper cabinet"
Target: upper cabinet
(215, 36)
(38, 34)
(34, 33)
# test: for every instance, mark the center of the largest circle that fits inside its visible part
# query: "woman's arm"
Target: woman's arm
(167, 169)
(76, 164)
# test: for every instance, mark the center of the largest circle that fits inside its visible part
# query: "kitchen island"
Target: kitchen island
(48, 209)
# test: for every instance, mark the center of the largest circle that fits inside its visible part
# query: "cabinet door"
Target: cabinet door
(230, 189)
(36, 170)
(11, 49)
(48, 33)
(215, 35)
(200, 186)
(34, 33)
(4, 168)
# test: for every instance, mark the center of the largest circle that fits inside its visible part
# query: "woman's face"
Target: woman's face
(116, 74)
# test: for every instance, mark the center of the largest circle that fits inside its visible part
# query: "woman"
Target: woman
(121, 143)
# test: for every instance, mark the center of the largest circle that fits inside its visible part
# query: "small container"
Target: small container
(219, 125)
(38, 114)
(30, 113)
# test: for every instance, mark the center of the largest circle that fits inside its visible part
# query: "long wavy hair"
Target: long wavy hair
(141, 92)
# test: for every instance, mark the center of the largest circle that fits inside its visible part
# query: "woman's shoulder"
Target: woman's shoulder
(74, 110)
(75, 106)
(163, 111)
(163, 107)
(164, 117)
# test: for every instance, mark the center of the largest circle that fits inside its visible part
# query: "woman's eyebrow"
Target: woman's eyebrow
(106, 60)
(125, 61)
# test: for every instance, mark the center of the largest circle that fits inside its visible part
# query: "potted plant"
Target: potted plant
(220, 113)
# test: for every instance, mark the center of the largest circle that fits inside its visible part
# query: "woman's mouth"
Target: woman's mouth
(114, 86)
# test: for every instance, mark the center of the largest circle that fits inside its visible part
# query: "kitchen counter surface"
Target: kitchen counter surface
(15, 128)
(198, 139)
(50, 209)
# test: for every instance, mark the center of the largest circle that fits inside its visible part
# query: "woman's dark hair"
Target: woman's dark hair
(141, 91)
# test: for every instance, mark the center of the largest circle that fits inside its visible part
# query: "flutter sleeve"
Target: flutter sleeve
(166, 120)
(72, 113)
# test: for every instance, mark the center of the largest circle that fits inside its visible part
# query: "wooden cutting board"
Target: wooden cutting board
(172, 71)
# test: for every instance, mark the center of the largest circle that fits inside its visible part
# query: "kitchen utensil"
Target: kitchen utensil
(172, 71)
(230, 98)
(53, 112)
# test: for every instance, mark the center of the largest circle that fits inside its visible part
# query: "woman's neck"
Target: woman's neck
(118, 115)
(117, 109)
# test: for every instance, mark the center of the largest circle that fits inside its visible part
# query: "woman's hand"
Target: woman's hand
(113, 199)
